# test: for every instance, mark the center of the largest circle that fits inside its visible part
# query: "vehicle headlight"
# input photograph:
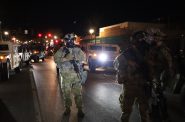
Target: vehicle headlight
(35, 52)
(2, 57)
(94, 54)
(103, 57)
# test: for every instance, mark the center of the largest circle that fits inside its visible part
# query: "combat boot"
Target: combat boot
(80, 113)
(67, 111)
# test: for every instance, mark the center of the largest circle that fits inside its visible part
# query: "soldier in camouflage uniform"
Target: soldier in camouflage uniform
(142, 64)
(132, 73)
(159, 61)
(71, 81)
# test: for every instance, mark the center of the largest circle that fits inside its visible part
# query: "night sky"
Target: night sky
(76, 16)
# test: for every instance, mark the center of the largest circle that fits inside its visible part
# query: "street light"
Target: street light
(6, 33)
(91, 31)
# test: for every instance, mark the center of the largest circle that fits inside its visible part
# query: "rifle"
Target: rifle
(158, 104)
(79, 70)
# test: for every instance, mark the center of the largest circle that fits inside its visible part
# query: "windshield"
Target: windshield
(110, 48)
(95, 47)
(3, 47)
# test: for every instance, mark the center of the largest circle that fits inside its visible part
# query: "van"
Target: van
(101, 55)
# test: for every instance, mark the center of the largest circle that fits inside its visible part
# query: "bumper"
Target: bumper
(98, 63)
(36, 57)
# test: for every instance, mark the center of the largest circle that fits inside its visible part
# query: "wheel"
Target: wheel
(5, 71)
(43, 59)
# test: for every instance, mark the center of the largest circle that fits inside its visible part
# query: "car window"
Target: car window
(4, 47)
(95, 47)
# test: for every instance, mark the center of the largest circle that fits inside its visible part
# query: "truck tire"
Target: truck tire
(5, 71)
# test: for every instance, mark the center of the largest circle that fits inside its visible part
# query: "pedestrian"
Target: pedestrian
(67, 58)
(132, 72)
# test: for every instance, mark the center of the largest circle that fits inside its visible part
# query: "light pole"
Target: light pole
(91, 31)
(6, 33)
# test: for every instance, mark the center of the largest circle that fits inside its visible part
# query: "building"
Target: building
(120, 33)
(126, 28)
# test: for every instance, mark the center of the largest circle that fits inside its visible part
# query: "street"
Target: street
(100, 95)
(34, 95)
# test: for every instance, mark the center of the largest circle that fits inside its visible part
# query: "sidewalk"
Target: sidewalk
(16, 98)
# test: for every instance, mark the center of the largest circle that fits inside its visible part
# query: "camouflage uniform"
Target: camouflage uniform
(131, 72)
(159, 61)
(70, 80)
(141, 63)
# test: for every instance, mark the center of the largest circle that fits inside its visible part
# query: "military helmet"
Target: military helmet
(69, 40)
(139, 36)
(156, 35)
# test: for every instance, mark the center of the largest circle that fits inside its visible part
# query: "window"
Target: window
(110, 48)
(95, 47)
(4, 47)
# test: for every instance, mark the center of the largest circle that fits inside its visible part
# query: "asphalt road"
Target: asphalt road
(100, 96)
(34, 95)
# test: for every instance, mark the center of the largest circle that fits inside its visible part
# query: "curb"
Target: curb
(35, 98)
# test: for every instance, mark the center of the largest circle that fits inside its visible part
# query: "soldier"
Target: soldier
(66, 59)
(132, 73)
(159, 61)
